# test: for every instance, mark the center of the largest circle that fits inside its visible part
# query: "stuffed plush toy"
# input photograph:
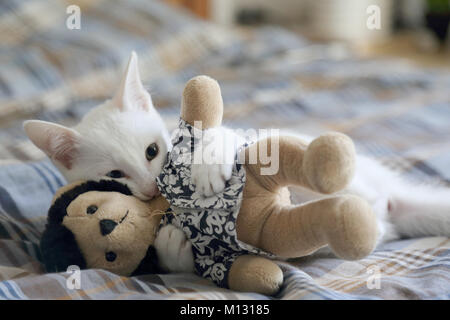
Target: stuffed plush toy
(236, 233)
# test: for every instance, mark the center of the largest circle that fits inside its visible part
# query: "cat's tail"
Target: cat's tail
(420, 210)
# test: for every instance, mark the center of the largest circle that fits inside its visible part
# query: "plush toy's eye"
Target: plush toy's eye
(151, 152)
(91, 209)
(110, 256)
(115, 174)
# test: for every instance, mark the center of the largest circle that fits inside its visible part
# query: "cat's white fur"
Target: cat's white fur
(115, 135)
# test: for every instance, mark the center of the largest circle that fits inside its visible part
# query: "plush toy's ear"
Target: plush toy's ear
(149, 264)
(202, 102)
(59, 249)
(66, 188)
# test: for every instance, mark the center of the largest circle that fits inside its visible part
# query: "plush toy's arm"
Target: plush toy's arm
(202, 101)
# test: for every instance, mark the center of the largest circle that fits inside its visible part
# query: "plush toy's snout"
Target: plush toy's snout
(107, 226)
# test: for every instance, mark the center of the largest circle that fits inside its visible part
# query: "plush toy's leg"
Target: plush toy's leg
(326, 165)
(268, 221)
(345, 223)
(255, 274)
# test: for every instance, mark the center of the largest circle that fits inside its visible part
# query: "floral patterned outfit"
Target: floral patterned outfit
(209, 223)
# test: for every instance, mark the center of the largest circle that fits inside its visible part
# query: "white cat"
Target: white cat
(125, 139)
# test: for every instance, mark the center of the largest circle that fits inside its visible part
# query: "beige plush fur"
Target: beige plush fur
(267, 219)
(255, 274)
(202, 101)
(137, 225)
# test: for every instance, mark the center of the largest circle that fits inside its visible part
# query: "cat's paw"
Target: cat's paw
(218, 153)
(210, 179)
(174, 250)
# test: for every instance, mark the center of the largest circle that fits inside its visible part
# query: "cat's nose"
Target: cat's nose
(107, 226)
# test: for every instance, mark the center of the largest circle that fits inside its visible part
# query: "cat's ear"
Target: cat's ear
(131, 94)
(59, 143)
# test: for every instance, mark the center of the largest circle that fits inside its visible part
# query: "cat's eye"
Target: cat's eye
(115, 174)
(110, 256)
(91, 209)
(151, 152)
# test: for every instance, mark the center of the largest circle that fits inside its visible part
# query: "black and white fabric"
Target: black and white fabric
(210, 223)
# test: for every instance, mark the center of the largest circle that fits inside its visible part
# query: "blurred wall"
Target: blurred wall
(279, 11)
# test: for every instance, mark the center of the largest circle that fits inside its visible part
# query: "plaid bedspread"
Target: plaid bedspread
(270, 78)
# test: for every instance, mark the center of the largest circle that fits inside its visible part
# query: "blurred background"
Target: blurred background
(378, 70)
(414, 29)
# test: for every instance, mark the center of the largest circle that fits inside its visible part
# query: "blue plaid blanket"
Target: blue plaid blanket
(270, 78)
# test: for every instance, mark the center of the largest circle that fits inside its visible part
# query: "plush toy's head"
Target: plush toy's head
(100, 225)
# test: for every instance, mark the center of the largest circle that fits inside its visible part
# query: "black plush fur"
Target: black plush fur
(59, 249)
(57, 211)
(58, 245)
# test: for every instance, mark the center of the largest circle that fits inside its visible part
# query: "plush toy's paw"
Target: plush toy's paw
(251, 273)
(354, 232)
(329, 162)
(174, 250)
